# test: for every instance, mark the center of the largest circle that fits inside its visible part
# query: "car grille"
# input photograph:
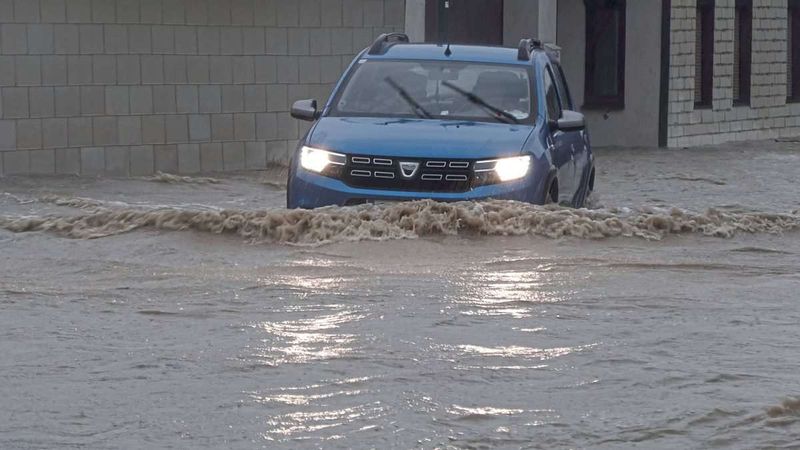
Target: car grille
(408, 174)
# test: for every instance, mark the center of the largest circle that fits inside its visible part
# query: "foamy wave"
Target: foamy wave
(161, 177)
(789, 407)
(275, 176)
(73, 202)
(411, 220)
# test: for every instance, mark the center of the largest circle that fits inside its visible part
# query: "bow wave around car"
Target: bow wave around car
(449, 123)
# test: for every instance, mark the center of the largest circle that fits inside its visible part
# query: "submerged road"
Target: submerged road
(197, 313)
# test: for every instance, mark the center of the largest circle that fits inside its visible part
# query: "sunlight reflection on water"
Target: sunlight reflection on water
(306, 340)
(508, 293)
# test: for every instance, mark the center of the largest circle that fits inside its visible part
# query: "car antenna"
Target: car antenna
(444, 23)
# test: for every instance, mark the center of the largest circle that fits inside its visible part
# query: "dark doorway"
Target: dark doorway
(704, 54)
(464, 21)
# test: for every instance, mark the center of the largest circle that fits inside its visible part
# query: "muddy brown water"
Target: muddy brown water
(183, 313)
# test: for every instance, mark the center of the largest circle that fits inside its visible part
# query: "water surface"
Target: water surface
(189, 314)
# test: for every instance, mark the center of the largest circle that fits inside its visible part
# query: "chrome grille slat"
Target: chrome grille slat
(361, 173)
(459, 165)
(456, 178)
(360, 160)
(382, 161)
(436, 164)
(384, 175)
(431, 177)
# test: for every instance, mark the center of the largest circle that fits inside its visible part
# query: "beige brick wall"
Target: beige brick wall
(768, 115)
(129, 87)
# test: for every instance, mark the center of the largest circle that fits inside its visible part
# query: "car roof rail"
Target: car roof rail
(526, 47)
(386, 40)
(553, 52)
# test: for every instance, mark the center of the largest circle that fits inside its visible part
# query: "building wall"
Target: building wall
(520, 21)
(415, 20)
(548, 20)
(768, 116)
(529, 19)
(129, 87)
(637, 124)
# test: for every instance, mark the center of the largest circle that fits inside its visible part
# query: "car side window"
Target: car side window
(563, 89)
(551, 96)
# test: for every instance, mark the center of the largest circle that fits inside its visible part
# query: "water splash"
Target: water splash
(161, 177)
(406, 221)
(790, 407)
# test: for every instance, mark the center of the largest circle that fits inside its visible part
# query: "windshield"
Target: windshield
(437, 90)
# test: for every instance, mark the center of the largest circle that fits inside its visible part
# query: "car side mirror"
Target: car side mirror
(571, 121)
(305, 110)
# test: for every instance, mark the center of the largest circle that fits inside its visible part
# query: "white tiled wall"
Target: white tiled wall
(768, 115)
(128, 87)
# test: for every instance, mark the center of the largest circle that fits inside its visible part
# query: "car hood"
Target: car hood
(418, 138)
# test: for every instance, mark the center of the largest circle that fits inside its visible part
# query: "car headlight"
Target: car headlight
(317, 160)
(505, 169)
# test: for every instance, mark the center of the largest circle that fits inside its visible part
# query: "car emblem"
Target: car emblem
(408, 169)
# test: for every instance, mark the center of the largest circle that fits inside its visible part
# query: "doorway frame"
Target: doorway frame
(416, 20)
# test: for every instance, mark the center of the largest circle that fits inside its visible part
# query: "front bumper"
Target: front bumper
(308, 190)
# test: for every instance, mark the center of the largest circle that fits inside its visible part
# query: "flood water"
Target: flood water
(197, 313)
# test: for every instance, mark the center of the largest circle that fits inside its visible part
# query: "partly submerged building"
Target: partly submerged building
(652, 72)
(128, 87)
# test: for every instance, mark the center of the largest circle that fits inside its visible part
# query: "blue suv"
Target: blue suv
(448, 123)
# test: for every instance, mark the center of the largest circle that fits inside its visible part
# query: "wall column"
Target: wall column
(529, 19)
(548, 19)
(415, 20)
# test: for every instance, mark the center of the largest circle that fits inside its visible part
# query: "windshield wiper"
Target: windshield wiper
(418, 109)
(497, 113)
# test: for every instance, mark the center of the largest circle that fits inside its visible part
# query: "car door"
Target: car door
(577, 138)
(560, 143)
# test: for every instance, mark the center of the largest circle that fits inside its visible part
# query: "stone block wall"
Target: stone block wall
(768, 115)
(129, 87)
